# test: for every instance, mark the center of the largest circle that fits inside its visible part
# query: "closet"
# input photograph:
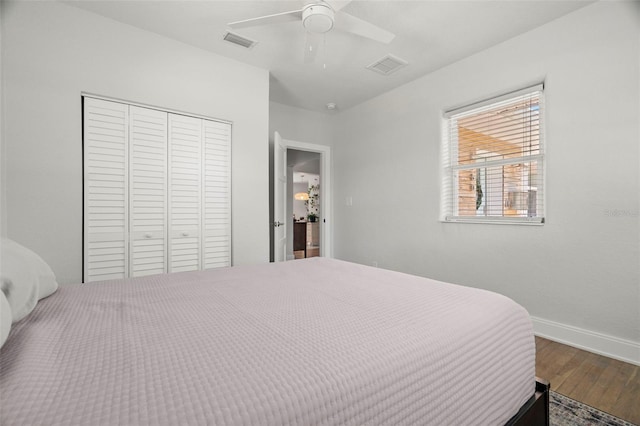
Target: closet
(157, 191)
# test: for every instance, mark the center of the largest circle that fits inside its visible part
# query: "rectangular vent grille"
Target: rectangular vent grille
(239, 40)
(387, 65)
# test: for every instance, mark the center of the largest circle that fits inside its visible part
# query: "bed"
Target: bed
(307, 342)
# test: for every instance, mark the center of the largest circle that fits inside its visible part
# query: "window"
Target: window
(494, 160)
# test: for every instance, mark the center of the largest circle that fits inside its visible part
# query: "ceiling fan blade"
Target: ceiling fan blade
(351, 24)
(294, 15)
(311, 47)
(337, 5)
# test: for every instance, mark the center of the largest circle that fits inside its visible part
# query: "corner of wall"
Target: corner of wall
(3, 168)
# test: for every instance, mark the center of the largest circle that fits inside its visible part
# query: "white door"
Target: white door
(279, 199)
(106, 223)
(185, 193)
(147, 191)
(216, 200)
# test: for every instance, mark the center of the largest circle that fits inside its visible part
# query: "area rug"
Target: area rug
(564, 411)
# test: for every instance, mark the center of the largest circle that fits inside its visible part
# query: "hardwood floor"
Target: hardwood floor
(607, 384)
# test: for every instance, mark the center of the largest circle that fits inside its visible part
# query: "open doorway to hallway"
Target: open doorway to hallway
(287, 154)
(303, 205)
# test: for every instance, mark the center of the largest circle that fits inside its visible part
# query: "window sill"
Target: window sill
(528, 221)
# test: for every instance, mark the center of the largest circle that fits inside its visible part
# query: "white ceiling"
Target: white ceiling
(429, 35)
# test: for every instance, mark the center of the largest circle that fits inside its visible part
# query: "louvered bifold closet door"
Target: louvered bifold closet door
(105, 137)
(185, 193)
(147, 191)
(217, 194)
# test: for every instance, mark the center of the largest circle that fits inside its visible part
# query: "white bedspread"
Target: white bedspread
(305, 342)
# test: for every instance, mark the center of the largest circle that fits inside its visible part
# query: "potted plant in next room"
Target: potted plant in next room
(313, 203)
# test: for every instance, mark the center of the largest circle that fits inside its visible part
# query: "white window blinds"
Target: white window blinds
(494, 160)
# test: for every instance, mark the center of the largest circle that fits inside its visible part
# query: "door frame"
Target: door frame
(326, 207)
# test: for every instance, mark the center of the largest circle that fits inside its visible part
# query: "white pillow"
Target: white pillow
(19, 285)
(5, 318)
(47, 284)
(26, 278)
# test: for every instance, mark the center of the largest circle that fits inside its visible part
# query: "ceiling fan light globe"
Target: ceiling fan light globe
(318, 18)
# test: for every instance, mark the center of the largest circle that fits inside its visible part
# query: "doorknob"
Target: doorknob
(277, 223)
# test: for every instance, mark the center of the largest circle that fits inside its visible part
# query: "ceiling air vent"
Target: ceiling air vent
(387, 65)
(239, 40)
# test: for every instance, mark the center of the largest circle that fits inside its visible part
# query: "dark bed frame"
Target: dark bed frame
(534, 412)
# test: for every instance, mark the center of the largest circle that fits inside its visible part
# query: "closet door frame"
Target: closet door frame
(167, 237)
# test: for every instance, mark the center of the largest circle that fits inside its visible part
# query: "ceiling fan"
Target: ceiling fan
(320, 17)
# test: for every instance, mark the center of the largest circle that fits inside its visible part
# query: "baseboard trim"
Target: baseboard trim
(601, 344)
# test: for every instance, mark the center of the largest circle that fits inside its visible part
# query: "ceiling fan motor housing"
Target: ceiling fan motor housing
(318, 18)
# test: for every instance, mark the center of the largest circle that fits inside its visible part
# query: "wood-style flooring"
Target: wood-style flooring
(607, 384)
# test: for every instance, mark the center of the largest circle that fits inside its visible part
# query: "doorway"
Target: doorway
(304, 196)
(307, 159)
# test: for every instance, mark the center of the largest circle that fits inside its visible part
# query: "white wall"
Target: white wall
(581, 269)
(300, 125)
(3, 163)
(51, 53)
